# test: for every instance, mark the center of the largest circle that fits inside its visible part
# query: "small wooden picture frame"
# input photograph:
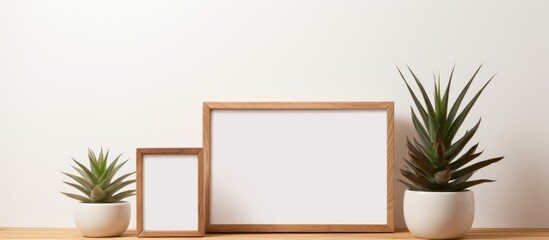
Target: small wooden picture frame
(170, 192)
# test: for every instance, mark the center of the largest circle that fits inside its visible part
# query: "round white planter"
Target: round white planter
(439, 215)
(102, 219)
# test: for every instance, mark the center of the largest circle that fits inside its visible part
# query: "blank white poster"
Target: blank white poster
(170, 190)
(298, 167)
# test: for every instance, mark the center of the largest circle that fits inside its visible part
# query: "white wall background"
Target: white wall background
(128, 74)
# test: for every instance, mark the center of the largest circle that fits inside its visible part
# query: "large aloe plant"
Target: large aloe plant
(96, 181)
(435, 163)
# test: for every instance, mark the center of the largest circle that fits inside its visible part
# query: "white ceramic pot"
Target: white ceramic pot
(102, 219)
(439, 215)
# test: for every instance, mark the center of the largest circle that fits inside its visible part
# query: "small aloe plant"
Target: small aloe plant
(96, 182)
(435, 163)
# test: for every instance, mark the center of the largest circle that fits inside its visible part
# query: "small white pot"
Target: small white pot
(102, 219)
(439, 215)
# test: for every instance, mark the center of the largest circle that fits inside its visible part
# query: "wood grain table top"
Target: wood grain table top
(53, 233)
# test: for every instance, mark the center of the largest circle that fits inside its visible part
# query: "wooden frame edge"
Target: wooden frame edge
(140, 232)
(390, 167)
(170, 234)
(296, 105)
(206, 150)
(300, 228)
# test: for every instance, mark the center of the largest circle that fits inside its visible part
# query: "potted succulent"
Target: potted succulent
(437, 203)
(101, 211)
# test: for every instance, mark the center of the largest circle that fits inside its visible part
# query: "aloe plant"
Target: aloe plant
(435, 163)
(96, 182)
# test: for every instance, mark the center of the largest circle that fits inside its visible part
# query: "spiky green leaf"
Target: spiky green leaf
(409, 185)
(461, 117)
(444, 108)
(429, 153)
(420, 130)
(463, 178)
(474, 167)
(459, 99)
(442, 177)
(465, 158)
(432, 126)
(417, 169)
(123, 195)
(79, 187)
(465, 185)
(78, 197)
(97, 194)
(85, 172)
(456, 148)
(419, 107)
(440, 151)
(418, 180)
(93, 163)
(87, 185)
(102, 162)
(417, 155)
(121, 178)
(117, 186)
(113, 163)
(110, 175)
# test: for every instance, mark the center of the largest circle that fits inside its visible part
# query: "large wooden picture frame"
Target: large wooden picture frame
(298, 166)
(170, 192)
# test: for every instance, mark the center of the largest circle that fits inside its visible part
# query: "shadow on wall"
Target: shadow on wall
(403, 129)
(521, 186)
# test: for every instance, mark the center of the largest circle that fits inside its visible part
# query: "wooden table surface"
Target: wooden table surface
(49, 233)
